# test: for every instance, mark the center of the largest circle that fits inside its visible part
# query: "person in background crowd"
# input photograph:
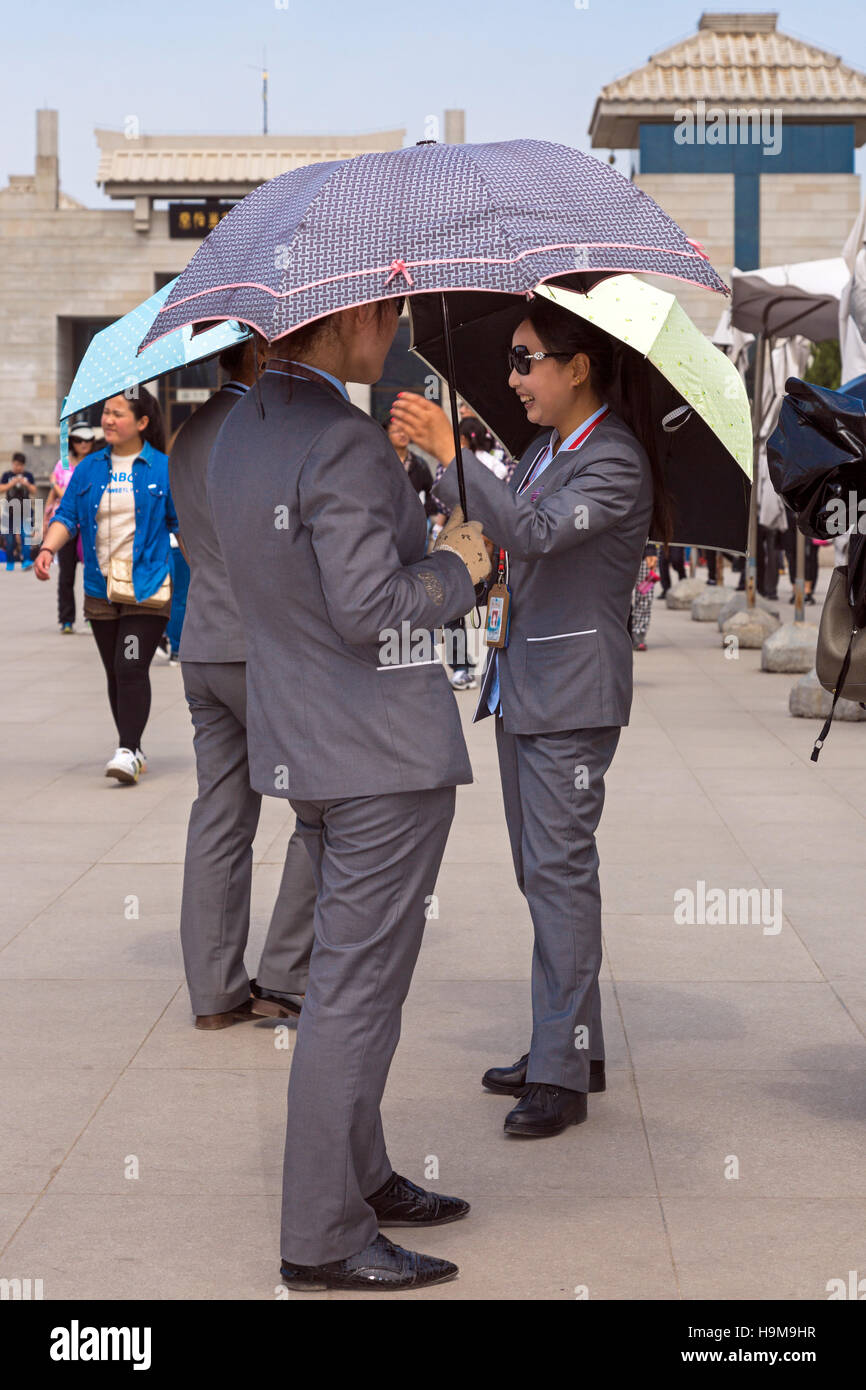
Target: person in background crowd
(217, 873)
(772, 525)
(18, 487)
(120, 499)
(417, 470)
(81, 441)
(671, 557)
(169, 642)
(642, 598)
(810, 571)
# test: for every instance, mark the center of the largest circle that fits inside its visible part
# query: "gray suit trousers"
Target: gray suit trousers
(553, 788)
(375, 859)
(215, 909)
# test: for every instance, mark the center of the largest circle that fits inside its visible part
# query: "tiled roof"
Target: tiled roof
(734, 58)
(740, 67)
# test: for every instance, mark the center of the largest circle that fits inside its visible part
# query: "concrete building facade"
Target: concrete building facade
(67, 270)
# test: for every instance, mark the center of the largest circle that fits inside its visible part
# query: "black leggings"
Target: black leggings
(126, 646)
(67, 559)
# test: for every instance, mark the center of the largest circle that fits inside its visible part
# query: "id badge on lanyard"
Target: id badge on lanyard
(498, 608)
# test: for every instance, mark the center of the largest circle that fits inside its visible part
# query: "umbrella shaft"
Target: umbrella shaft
(452, 396)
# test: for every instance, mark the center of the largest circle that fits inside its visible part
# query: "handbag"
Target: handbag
(118, 581)
(840, 660)
(120, 588)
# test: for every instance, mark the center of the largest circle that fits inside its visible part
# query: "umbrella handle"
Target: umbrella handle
(452, 393)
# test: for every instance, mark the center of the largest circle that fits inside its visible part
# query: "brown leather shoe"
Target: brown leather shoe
(242, 1014)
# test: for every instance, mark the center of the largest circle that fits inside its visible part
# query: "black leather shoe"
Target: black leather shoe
(381, 1266)
(511, 1081)
(402, 1203)
(545, 1110)
(270, 1003)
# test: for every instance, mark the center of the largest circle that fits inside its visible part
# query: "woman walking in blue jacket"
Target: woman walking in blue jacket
(120, 500)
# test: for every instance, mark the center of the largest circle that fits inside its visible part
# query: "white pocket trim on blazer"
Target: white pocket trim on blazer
(557, 635)
(402, 666)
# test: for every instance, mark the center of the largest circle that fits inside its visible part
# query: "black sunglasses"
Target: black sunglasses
(520, 359)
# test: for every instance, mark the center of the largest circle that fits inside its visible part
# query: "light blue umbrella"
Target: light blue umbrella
(110, 364)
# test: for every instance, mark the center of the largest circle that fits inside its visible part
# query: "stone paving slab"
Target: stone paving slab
(724, 1042)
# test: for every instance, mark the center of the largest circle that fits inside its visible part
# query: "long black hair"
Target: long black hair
(617, 374)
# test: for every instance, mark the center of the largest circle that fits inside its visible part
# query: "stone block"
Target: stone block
(790, 648)
(680, 595)
(710, 602)
(737, 604)
(750, 627)
(809, 700)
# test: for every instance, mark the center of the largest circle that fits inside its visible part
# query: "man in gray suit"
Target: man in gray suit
(574, 521)
(325, 552)
(215, 910)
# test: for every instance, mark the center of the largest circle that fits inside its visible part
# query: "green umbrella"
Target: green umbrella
(714, 438)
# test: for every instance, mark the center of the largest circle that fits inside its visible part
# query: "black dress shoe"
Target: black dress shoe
(545, 1110)
(270, 1003)
(381, 1266)
(511, 1081)
(402, 1203)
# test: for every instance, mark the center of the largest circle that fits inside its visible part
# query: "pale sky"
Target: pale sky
(517, 67)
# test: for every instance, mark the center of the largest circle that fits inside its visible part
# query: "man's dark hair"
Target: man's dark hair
(19, 458)
(231, 358)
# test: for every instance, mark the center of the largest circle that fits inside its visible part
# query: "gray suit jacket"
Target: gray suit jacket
(575, 541)
(212, 628)
(324, 538)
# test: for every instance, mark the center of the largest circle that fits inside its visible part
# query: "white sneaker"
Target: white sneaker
(142, 760)
(124, 766)
(463, 680)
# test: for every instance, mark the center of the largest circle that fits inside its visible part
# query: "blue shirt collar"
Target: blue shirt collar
(147, 454)
(310, 368)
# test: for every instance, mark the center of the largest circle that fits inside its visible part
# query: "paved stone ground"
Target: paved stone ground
(726, 1045)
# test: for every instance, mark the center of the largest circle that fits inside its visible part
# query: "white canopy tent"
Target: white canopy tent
(783, 309)
(852, 304)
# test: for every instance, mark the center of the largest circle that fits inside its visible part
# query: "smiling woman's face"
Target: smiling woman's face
(548, 391)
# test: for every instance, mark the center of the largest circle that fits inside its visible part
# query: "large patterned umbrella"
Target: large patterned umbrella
(499, 217)
(495, 219)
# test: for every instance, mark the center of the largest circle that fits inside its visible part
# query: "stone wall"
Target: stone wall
(59, 264)
(703, 205)
(806, 217)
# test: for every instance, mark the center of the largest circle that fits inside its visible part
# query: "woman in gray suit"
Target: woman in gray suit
(569, 532)
(324, 542)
